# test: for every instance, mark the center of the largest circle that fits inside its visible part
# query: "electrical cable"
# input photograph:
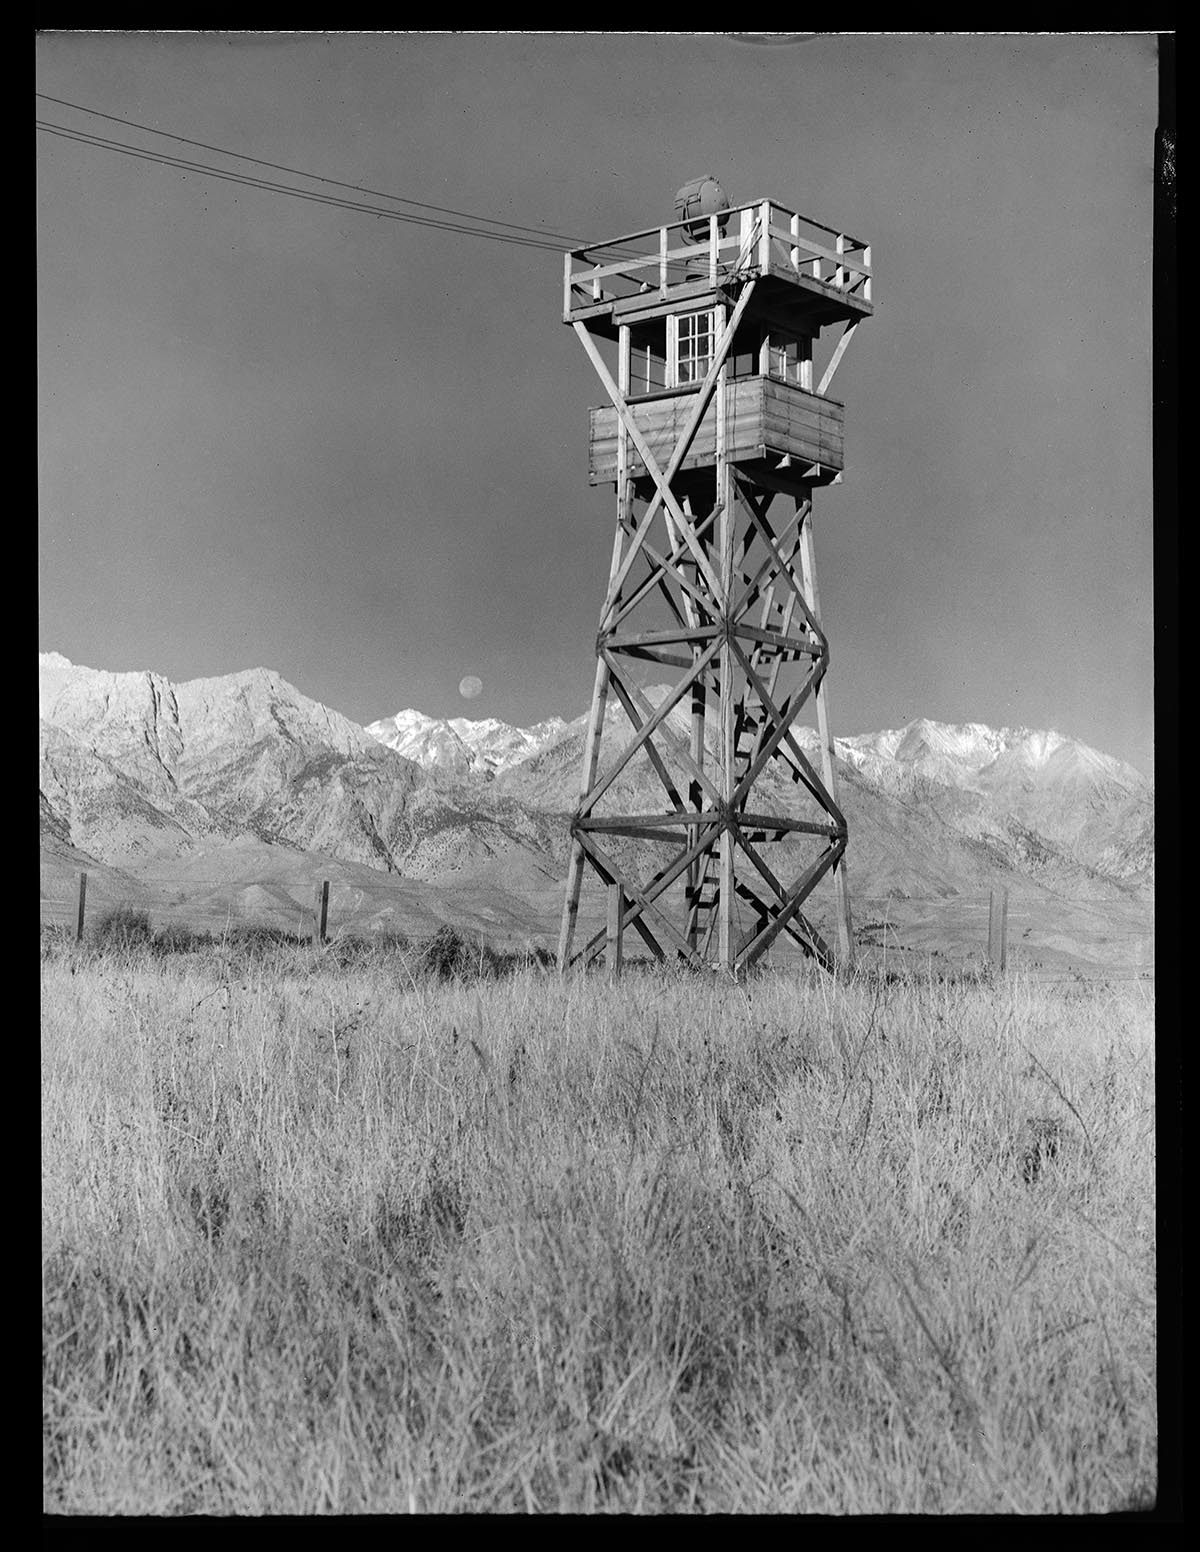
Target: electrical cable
(551, 240)
(204, 168)
(204, 145)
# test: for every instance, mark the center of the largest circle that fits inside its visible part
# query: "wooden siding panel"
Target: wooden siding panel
(761, 411)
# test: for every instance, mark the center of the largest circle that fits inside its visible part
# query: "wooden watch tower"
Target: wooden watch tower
(705, 815)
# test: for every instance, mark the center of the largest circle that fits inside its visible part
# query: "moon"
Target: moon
(470, 687)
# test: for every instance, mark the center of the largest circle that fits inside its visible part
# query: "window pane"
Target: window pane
(695, 347)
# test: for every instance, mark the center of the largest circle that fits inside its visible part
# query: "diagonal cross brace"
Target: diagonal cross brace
(664, 566)
(783, 722)
(663, 480)
(643, 733)
(656, 716)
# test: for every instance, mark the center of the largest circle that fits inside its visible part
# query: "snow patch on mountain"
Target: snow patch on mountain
(463, 746)
(978, 757)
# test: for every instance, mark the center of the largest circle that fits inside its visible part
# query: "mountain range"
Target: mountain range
(241, 783)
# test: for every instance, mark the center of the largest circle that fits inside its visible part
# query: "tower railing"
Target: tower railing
(761, 238)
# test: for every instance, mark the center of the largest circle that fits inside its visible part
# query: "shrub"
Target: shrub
(123, 927)
(178, 939)
(446, 953)
(351, 951)
(502, 963)
(259, 939)
(449, 955)
(55, 938)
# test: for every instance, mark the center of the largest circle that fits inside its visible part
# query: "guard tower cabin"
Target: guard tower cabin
(713, 414)
(671, 287)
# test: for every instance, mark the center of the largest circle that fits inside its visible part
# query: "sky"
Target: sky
(276, 434)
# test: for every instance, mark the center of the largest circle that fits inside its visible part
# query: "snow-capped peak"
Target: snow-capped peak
(484, 747)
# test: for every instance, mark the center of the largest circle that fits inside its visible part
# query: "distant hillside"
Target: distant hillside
(146, 777)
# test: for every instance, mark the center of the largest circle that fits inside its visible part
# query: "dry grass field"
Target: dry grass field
(325, 1232)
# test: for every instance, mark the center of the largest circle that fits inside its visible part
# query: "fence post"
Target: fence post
(616, 910)
(998, 929)
(82, 902)
(324, 909)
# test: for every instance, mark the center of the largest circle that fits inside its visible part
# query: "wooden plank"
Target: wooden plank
(796, 897)
(611, 874)
(663, 566)
(799, 430)
(616, 911)
(726, 494)
(663, 480)
(621, 824)
(836, 359)
(643, 900)
(783, 719)
(657, 715)
(624, 361)
(794, 422)
(779, 392)
(647, 307)
(808, 562)
(771, 561)
(648, 727)
(749, 399)
(798, 405)
(656, 760)
(802, 445)
(776, 822)
(591, 750)
(696, 749)
(789, 237)
(656, 655)
(784, 571)
(779, 639)
(998, 929)
(664, 637)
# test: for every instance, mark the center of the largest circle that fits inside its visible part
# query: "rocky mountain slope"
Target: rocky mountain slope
(1036, 802)
(466, 748)
(135, 768)
(214, 777)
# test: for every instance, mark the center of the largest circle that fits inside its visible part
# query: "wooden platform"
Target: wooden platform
(822, 275)
(767, 420)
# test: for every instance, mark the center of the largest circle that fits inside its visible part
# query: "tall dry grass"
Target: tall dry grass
(322, 1239)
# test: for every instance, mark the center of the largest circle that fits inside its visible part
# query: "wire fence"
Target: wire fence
(1044, 937)
(79, 905)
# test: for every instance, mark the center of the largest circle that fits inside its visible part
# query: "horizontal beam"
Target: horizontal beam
(660, 637)
(770, 638)
(639, 822)
(800, 826)
(653, 655)
(642, 901)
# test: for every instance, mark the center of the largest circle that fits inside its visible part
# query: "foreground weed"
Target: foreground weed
(328, 1236)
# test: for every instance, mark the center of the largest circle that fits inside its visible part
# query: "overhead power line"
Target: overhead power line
(551, 238)
(83, 137)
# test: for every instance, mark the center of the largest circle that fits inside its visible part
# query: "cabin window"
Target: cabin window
(743, 361)
(693, 347)
(647, 359)
(790, 359)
